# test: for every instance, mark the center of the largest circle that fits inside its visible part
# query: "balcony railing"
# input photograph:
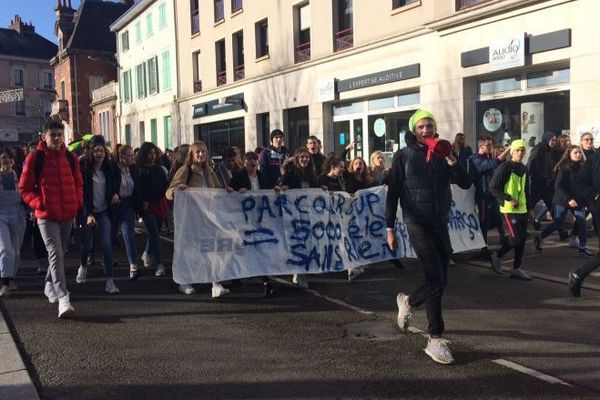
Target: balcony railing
(462, 4)
(197, 86)
(239, 72)
(303, 52)
(221, 78)
(344, 39)
(236, 5)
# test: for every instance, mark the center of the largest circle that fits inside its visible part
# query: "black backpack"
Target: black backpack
(39, 164)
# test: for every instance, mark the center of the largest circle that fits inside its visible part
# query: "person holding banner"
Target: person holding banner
(298, 174)
(196, 172)
(420, 178)
(510, 186)
(250, 178)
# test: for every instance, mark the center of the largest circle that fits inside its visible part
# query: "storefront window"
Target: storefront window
(524, 117)
(409, 99)
(500, 85)
(221, 134)
(348, 108)
(386, 131)
(379, 104)
(297, 127)
(548, 78)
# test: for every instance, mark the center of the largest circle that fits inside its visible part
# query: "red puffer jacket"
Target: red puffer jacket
(61, 189)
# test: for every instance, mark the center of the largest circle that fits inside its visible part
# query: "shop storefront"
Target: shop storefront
(377, 123)
(222, 133)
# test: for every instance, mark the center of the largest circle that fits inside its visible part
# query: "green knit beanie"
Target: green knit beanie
(517, 144)
(417, 116)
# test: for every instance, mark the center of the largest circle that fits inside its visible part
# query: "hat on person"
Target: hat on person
(97, 140)
(275, 133)
(517, 144)
(417, 116)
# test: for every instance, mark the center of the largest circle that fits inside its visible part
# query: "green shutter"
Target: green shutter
(153, 131)
(168, 133)
(166, 70)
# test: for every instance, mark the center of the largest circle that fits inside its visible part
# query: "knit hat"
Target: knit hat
(97, 140)
(276, 132)
(517, 144)
(417, 116)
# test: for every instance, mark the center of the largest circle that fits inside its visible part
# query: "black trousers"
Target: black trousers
(433, 248)
(516, 235)
(593, 263)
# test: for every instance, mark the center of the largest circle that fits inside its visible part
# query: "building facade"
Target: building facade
(355, 70)
(85, 59)
(104, 112)
(26, 82)
(148, 77)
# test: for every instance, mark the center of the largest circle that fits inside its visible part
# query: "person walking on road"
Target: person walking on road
(509, 186)
(570, 193)
(196, 172)
(52, 185)
(422, 184)
(101, 183)
(12, 222)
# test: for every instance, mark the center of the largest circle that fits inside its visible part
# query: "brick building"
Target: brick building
(85, 60)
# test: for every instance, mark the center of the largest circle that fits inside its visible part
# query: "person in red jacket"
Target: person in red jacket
(54, 190)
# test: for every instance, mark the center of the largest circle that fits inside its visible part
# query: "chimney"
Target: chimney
(21, 27)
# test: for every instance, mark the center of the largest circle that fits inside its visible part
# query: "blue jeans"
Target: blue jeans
(87, 235)
(558, 219)
(153, 242)
(125, 220)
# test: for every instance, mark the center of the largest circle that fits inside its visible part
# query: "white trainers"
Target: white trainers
(404, 311)
(496, 264)
(65, 309)
(520, 274)
(81, 274)
(187, 289)
(574, 242)
(4, 291)
(147, 260)
(160, 270)
(439, 352)
(300, 281)
(50, 292)
(110, 287)
(354, 273)
(218, 290)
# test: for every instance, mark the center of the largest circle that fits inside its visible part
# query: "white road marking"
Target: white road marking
(531, 372)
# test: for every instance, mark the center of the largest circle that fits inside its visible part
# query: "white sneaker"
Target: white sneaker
(50, 292)
(81, 274)
(520, 274)
(110, 287)
(300, 281)
(354, 273)
(218, 290)
(147, 260)
(574, 242)
(404, 311)
(187, 289)
(439, 352)
(65, 309)
(160, 270)
(4, 291)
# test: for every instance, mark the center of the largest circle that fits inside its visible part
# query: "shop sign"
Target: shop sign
(380, 78)
(507, 52)
(213, 107)
(326, 90)
(9, 135)
(379, 127)
(492, 119)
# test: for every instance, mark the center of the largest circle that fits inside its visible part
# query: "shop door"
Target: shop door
(345, 132)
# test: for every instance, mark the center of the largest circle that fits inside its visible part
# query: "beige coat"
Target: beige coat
(181, 177)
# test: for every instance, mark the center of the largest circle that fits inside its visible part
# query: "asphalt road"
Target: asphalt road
(337, 340)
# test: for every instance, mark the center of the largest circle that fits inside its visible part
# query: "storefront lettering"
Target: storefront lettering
(380, 78)
(511, 50)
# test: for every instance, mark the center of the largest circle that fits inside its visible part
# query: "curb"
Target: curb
(15, 382)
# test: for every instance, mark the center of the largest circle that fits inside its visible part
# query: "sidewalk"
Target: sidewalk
(15, 382)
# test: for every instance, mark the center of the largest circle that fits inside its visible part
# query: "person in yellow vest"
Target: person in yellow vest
(509, 186)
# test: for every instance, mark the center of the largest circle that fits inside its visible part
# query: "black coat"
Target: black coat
(540, 167)
(293, 181)
(570, 184)
(152, 181)
(241, 180)
(422, 187)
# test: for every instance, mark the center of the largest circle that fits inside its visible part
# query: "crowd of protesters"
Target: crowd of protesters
(45, 187)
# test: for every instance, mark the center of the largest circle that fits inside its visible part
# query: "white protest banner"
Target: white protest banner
(221, 236)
